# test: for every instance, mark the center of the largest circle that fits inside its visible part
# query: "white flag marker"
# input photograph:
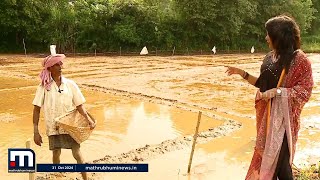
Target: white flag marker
(53, 50)
(252, 49)
(144, 51)
(214, 50)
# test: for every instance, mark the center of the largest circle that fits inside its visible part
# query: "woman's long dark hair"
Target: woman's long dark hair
(284, 33)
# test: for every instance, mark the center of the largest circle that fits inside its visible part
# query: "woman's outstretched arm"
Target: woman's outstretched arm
(233, 70)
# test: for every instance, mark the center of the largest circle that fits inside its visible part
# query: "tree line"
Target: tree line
(106, 25)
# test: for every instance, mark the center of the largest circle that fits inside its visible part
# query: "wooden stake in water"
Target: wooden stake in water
(194, 141)
(174, 48)
(28, 145)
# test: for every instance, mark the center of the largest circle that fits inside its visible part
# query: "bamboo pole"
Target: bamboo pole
(28, 145)
(194, 141)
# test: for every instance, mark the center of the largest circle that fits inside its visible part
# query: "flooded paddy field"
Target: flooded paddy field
(147, 110)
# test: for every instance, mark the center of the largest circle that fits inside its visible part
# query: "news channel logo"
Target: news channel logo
(21, 160)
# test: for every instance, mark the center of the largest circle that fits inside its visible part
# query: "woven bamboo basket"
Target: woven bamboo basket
(75, 125)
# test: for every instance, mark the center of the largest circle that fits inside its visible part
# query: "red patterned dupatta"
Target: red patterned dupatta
(284, 117)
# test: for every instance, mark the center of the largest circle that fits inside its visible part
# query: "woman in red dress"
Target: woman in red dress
(285, 84)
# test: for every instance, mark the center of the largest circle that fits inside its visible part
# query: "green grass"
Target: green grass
(311, 43)
(311, 47)
(310, 173)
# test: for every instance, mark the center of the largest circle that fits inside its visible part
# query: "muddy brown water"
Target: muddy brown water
(142, 101)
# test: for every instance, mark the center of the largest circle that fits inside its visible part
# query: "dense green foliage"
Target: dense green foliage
(107, 25)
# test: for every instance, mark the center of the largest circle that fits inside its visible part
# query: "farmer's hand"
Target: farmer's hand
(233, 70)
(37, 138)
(92, 124)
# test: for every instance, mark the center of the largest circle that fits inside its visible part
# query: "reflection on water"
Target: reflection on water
(174, 165)
(141, 128)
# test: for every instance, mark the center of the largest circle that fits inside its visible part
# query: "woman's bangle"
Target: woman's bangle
(243, 74)
(246, 76)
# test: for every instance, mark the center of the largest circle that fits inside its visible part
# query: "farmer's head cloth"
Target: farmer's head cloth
(45, 74)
